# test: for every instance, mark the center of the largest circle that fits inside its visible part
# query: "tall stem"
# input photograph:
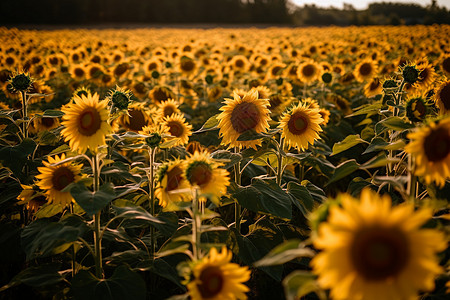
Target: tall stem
(196, 223)
(151, 187)
(97, 238)
(237, 206)
(280, 162)
(24, 115)
(412, 180)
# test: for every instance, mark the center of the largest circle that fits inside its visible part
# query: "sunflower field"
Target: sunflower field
(271, 163)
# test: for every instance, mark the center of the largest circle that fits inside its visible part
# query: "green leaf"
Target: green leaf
(48, 210)
(136, 216)
(344, 169)
(210, 124)
(15, 157)
(300, 197)
(92, 202)
(368, 109)
(349, 142)
(124, 284)
(376, 144)
(50, 113)
(264, 196)
(42, 237)
(394, 123)
(251, 135)
(36, 276)
(300, 283)
(283, 253)
(227, 157)
(379, 161)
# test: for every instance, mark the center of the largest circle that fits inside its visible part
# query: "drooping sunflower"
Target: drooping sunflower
(416, 108)
(365, 70)
(373, 88)
(53, 179)
(156, 134)
(242, 114)
(442, 97)
(301, 126)
(136, 118)
(172, 186)
(179, 128)
(204, 172)
(430, 145)
(372, 251)
(215, 277)
(86, 123)
(308, 71)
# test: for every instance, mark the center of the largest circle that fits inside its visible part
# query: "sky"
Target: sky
(362, 4)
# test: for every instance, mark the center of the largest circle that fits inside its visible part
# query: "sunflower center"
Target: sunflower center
(298, 123)
(199, 173)
(89, 121)
(47, 122)
(212, 282)
(152, 66)
(437, 145)
(308, 70)
(175, 128)
(160, 95)
(62, 177)
(378, 253)
(174, 178)
(137, 120)
(444, 96)
(245, 116)
(79, 72)
(239, 63)
(446, 65)
(374, 84)
(187, 65)
(121, 69)
(168, 110)
(365, 69)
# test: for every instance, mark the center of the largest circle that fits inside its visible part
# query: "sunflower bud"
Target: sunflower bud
(153, 140)
(327, 77)
(410, 74)
(120, 98)
(21, 82)
(155, 74)
(389, 84)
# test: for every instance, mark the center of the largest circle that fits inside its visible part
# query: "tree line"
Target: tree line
(214, 11)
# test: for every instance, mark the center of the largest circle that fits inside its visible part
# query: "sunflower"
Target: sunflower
(373, 251)
(160, 93)
(365, 70)
(442, 97)
(373, 87)
(167, 108)
(242, 114)
(86, 123)
(416, 108)
(301, 125)
(308, 71)
(78, 72)
(178, 127)
(325, 114)
(152, 65)
(171, 178)
(187, 65)
(430, 145)
(427, 75)
(40, 124)
(205, 173)
(215, 277)
(53, 179)
(239, 63)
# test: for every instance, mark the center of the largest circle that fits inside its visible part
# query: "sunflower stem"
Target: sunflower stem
(24, 114)
(196, 223)
(151, 179)
(97, 237)
(237, 206)
(280, 162)
(412, 180)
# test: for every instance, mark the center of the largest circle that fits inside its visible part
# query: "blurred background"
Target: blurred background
(269, 12)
